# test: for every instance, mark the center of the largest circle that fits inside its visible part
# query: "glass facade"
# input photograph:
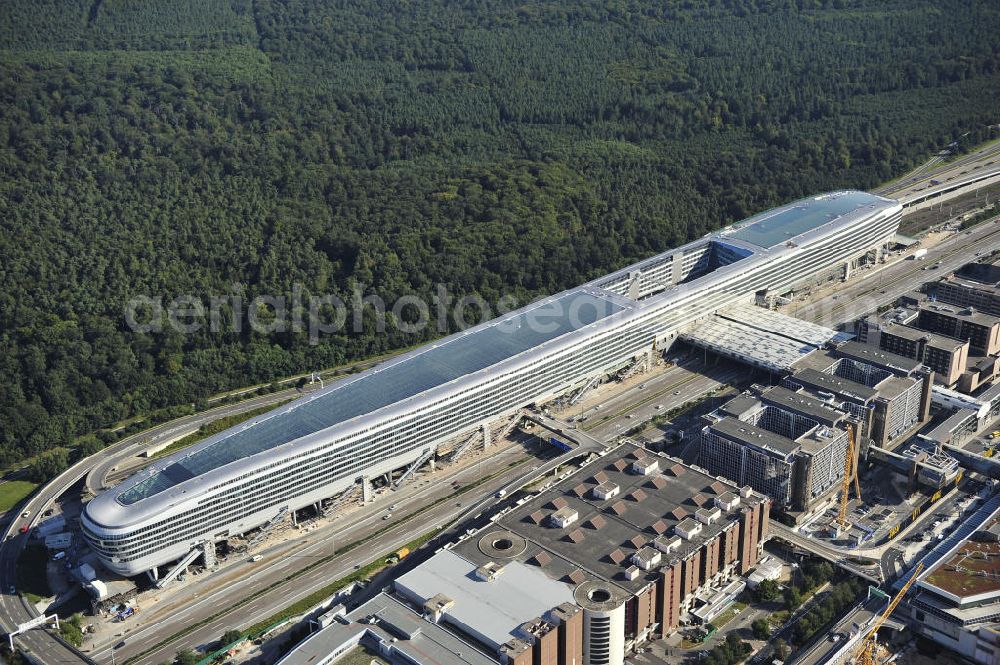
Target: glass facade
(445, 394)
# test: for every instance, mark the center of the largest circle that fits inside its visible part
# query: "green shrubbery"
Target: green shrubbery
(218, 148)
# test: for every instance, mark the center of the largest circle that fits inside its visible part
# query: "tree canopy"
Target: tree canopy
(240, 147)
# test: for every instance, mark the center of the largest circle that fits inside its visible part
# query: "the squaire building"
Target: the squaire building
(392, 414)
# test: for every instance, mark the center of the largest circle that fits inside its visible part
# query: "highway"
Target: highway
(668, 389)
(915, 182)
(587, 445)
(823, 648)
(662, 392)
(263, 592)
(128, 449)
(841, 303)
(15, 610)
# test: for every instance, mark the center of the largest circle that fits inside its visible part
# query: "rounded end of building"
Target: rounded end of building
(599, 596)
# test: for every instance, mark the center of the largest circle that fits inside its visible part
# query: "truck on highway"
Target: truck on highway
(398, 555)
(920, 254)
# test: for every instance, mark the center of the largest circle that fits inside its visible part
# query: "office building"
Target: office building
(786, 445)
(406, 409)
(981, 331)
(947, 326)
(947, 356)
(975, 285)
(956, 600)
(888, 395)
(571, 577)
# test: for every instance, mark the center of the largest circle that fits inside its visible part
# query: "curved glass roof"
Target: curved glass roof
(781, 225)
(431, 366)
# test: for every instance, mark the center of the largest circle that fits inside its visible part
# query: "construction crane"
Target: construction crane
(866, 653)
(850, 473)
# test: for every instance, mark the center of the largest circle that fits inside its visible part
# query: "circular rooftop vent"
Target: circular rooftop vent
(502, 545)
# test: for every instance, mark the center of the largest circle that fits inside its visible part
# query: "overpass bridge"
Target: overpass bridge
(947, 190)
(572, 434)
(986, 466)
(834, 556)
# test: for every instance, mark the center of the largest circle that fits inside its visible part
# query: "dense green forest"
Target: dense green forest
(240, 146)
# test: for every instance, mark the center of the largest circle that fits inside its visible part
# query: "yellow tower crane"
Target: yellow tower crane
(850, 473)
(865, 655)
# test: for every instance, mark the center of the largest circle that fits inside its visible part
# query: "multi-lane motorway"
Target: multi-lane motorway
(659, 393)
(917, 182)
(206, 598)
(13, 609)
(663, 392)
(885, 283)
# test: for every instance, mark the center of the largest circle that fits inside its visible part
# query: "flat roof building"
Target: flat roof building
(980, 330)
(887, 394)
(411, 407)
(397, 633)
(786, 445)
(945, 355)
(966, 366)
(956, 599)
(759, 337)
(973, 285)
(634, 566)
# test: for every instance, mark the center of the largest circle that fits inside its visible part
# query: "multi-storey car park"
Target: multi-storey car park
(404, 409)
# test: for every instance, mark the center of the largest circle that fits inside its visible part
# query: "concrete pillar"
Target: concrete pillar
(366, 489)
(208, 548)
(486, 436)
(925, 396)
(153, 573)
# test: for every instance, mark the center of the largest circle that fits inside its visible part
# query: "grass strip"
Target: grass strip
(191, 628)
(313, 599)
(14, 492)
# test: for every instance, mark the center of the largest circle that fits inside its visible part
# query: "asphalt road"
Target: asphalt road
(587, 445)
(662, 392)
(936, 168)
(885, 554)
(857, 297)
(13, 609)
(118, 455)
(212, 593)
(822, 648)
(605, 422)
(887, 282)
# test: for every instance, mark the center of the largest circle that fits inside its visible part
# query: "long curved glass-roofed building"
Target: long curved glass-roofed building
(384, 418)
